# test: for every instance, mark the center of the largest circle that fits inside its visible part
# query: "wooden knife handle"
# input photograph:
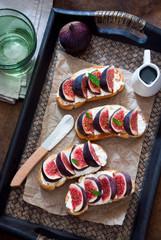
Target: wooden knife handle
(28, 166)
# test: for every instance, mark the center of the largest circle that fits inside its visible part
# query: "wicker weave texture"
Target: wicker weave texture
(102, 52)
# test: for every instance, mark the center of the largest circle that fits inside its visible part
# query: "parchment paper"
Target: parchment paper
(123, 154)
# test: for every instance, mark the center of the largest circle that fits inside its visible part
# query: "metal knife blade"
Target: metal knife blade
(65, 125)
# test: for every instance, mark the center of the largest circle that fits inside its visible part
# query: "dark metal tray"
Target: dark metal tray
(57, 19)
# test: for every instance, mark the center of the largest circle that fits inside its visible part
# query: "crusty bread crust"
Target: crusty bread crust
(104, 135)
(60, 183)
(114, 200)
(75, 213)
(47, 187)
(52, 184)
(70, 106)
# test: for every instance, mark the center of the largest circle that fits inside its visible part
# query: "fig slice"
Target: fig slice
(90, 155)
(101, 121)
(93, 189)
(107, 79)
(77, 158)
(131, 122)
(50, 171)
(110, 79)
(78, 197)
(85, 123)
(103, 82)
(93, 81)
(66, 91)
(63, 164)
(123, 184)
(80, 86)
(108, 186)
(116, 121)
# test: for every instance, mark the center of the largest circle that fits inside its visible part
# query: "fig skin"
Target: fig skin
(80, 123)
(88, 156)
(77, 86)
(128, 183)
(75, 36)
(103, 81)
(96, 123)
(74, 165)
(110, 122)
(94, 89)
(85, 200)
(84, 196)
(61, 166)
(112, 186)
(46, 177)
(126, 122)
(62, 94)
(110, 73)
(96, 181)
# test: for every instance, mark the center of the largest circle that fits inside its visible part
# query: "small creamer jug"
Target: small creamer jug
(146, 80)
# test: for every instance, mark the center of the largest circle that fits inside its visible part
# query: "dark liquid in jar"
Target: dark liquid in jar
(148, 75)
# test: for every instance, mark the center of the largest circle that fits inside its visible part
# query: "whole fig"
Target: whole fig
(75, 36)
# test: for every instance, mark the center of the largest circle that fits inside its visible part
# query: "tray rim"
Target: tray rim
(6, 222)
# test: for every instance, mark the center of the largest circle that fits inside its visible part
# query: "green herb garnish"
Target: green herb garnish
(117, 122)
(96, 193)
(94, 79)
(88, 115)
(75, 161)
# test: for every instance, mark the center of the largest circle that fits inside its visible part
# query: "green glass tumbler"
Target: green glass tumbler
(17, 42)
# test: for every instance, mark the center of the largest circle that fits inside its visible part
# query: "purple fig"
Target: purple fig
(131, 122)
(85, 123)
(93, 189)
(80, 86)
(78, 197)
(101, 121)
(75, 36)
(123, 184)
(110, 79)
(66, 91)
(103, 82)
(108, 187)
(107, 79)
(116, 121)
(90, 155)
(50, 171)
(63, 164)
(93, 81)
(77, 158)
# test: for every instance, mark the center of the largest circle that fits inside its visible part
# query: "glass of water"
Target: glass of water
(17, 42)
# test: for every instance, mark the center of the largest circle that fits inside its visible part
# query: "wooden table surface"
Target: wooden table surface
(149, 10)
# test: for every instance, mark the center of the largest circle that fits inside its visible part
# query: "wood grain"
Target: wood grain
(28, 166)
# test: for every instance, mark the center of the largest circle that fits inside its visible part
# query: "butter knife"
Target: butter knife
(62, 129)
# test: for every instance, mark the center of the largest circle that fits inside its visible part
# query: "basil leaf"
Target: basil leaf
(75, 161)
(117, 122)
(96, 193)
(94, 79)
(88, 115)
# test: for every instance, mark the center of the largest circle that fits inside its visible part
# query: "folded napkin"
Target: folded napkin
(15, 87)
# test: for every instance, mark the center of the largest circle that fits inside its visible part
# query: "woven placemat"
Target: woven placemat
(101, 51)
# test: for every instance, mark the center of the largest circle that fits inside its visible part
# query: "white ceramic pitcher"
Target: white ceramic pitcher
(140, 86)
